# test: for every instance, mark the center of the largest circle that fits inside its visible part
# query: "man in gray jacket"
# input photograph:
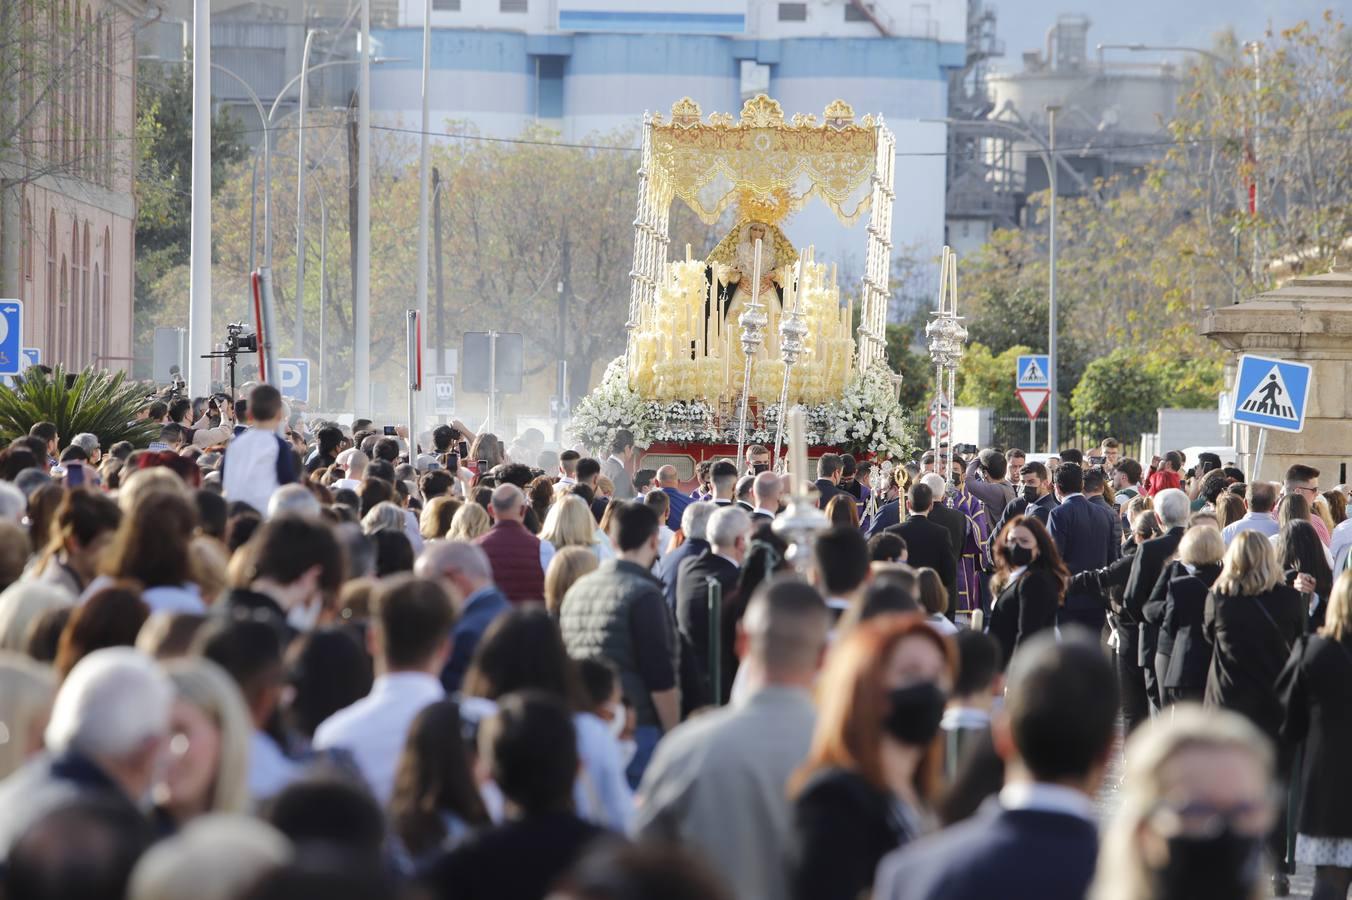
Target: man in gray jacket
(719, 782)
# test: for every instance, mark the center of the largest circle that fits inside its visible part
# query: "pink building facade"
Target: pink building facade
(74, 203)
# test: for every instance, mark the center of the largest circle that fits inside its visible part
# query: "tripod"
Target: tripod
(231, 358)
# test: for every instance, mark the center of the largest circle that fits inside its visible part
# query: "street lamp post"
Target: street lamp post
(1053, 435)
(300, 192)
(199, 254)
(361, 301)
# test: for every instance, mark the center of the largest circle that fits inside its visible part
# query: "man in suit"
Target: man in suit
(669, 483)
(729, 532)
(848, 469)
(616, 467)
(1083, 532)
(588, 470)
(695, 524)
(1094, 479)
(927, 543)
(723, 476)
(1138, 640)
(765, 491)
(829, 467)
(953, 521)
(465, 571)
(1040, 842)
(744, 493)
(1035, 498)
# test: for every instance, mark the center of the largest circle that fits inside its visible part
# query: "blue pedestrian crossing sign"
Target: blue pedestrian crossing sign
(11, 337)
(1031, 371)
(1271, 393)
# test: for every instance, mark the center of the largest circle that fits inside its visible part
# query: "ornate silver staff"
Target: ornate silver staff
(800, 523)
(791, 333)
(946, 336)
(753, 321)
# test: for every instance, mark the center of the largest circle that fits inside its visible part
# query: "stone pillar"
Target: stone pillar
(1307, 320)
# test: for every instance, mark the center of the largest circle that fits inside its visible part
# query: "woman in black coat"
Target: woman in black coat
(1252, 620)
(1029, 583)
(1316, 690)
(1183, 643)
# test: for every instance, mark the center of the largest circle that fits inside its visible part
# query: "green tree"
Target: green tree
(1120, 389)
(917, 377)
(163, 184)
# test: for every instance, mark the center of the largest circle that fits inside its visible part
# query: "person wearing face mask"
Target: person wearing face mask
(1196, 803)
(1039, 842)
(1035, 498)
(1087, 538)
(871, 776)
(1029, 584)
(295, 565)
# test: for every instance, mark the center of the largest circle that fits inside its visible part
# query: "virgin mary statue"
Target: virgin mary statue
(732, 266)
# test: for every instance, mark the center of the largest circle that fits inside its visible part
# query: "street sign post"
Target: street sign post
(443, 395)
(11, 337)
(1270, 394)
(1032, 385)
(294, 379)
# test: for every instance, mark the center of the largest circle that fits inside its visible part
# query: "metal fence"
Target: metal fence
(1015, 431)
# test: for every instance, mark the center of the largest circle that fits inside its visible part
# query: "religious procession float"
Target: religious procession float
(720, 346)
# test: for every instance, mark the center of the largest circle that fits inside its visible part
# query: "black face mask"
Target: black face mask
(1030, 493)
(916, 711)
(1225, 866)
(1019, 555)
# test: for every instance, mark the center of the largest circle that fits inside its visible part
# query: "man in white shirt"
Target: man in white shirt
(1262, 497)
(409, 638)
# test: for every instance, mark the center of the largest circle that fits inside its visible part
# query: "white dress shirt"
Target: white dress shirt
(270, 769)
(1043, 797)
(374, 728)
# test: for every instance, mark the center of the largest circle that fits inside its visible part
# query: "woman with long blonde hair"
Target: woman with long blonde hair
(569, 524)
(437, 516)
(1197, 801)
(209, 751)
(567, 566)
(469, 522)
(1316, 689)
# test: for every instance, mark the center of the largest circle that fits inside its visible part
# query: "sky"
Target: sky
(1022, 24)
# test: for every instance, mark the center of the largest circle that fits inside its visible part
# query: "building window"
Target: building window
(445, 5)
(100, 337)
(793, 12)
(549, 87)
(95, 350)
(82, 334)
(62, 303)
(512, 6)
(70, 314)
(51, 286)
(854, 13)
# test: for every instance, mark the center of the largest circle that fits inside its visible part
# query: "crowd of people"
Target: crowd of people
(271, 657)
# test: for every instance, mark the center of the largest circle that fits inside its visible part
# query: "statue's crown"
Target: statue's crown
(772, 208)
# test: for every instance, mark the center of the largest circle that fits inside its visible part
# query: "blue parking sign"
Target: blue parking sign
(293, 376)
(11, 337)
(1271, 393)
(32, 356)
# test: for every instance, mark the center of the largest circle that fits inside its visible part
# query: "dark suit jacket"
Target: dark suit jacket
(1184, 609)
(677, 503)
(843, 826)
(888, 514)
(671, 565)
(1145, 574)
(1316, 690)
(1010, 854)
(1022, 609)
(519, 860)
(1083, 531)
(1251, 640)
(930, 544)
(692, 612)
(1018, 507)
(827, 490)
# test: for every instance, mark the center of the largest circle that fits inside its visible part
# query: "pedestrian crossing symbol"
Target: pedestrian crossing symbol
(1271, 393)
(1031, 371)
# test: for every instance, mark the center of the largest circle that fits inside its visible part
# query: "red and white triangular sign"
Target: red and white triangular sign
(1032, 400)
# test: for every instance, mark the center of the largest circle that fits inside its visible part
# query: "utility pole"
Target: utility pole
(361, 307)
(424, 176)
(352, 231)
(441, 299)
(1052, 430)
(561, 377)
(199, 253)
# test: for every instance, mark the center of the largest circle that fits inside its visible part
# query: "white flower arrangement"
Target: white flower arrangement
(866, 420)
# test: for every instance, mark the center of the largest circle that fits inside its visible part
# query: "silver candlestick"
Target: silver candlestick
(753, 321)
(946, 336)
(791, 333)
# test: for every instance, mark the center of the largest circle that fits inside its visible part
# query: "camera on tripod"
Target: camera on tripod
(239, 339)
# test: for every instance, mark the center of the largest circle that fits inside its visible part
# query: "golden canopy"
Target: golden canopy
(762, 161)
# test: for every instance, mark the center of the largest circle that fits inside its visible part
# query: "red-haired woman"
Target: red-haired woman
(1029, 584)
(871, 775)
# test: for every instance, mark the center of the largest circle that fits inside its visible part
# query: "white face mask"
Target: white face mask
(304, 616)
(617, 719)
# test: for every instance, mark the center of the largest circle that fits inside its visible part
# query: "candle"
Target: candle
(756, 274)
(687, 253)
(797, 282)
(797, 450)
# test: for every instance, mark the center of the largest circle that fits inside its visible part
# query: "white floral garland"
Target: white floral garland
(867, 419)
